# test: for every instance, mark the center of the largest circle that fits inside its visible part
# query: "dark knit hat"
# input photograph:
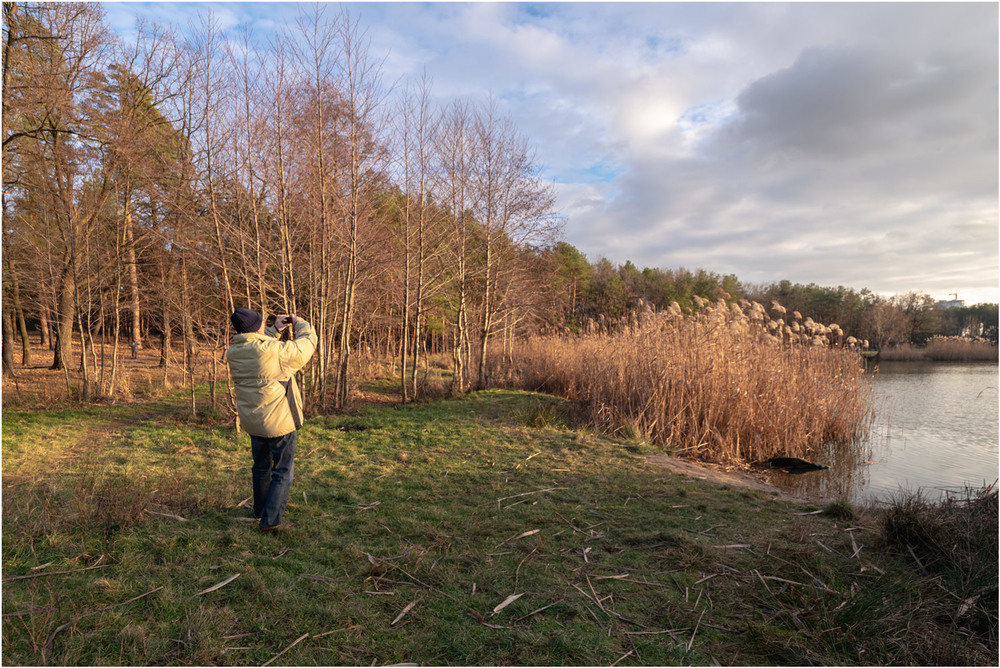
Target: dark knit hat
(244, 320)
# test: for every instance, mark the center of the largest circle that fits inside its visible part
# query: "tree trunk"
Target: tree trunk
(22, 328)
(8, 343)
(43, 324)
(64, 318)
(165, 339)
(133, 271)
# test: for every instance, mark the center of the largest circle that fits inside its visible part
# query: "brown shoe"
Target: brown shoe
(278, 527)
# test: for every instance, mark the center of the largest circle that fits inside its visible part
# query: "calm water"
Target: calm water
(936, 430)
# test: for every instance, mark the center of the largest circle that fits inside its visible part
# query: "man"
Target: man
(269, 404)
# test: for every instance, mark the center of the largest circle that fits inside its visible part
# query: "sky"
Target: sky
(850, 144)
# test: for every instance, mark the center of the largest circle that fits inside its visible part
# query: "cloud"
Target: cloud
(859, 163)
(840, 143)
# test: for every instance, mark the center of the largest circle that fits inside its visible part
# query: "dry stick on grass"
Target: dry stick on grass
(763, 582)
(522, 535)
(517, 573)
(422, 584)
(535, 612)
(48, 644)
(857, 549)
(25, 613)
(830, 550)
(695, 632)
(173, 517)
(218, 586)
(671, 632)
(41, 575)
(271, 660)
(570, 524)
(507, 601)
(326, 633)
(597, 599)
(539, 491)
(605, 610)
(409, 607)
(623, 656)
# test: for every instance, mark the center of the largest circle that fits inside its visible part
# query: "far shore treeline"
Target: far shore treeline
(151, 186)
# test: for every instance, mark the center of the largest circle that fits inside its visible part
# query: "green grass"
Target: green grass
(452, 506)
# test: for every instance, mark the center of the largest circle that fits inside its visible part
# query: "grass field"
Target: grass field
(475, 531)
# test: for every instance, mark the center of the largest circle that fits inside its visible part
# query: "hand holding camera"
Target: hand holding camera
(283, 321)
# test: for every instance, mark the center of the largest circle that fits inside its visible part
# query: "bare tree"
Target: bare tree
(60, 118)
(513, 207)
(360, 84)
(454, 145)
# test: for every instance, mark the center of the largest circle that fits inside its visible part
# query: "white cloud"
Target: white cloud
(844, 144)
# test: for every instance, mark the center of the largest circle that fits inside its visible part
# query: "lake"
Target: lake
(935, 430)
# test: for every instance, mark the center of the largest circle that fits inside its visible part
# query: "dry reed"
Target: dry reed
(945, 349)
(717, 385)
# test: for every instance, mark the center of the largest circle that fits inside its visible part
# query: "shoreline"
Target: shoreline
(723, 475)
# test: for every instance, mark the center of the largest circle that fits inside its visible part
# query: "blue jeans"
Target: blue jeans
(273, 466)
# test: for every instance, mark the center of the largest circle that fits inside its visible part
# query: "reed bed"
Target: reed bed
(726, 384)
(945, 349)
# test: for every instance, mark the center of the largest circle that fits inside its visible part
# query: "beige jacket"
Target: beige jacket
(262, 368)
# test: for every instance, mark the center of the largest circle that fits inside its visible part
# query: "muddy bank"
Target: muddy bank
(723, 475)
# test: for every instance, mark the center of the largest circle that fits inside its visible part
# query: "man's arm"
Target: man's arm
(295, 353)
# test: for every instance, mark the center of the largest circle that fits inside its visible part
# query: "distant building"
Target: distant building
(951, 303)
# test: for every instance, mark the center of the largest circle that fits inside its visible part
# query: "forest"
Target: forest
(152, 186)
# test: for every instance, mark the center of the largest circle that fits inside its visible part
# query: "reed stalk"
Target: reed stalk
(717, 385)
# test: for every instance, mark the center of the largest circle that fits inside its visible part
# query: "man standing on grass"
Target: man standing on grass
(269, 404)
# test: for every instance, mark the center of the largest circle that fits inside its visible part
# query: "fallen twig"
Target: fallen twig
(218, 586)
(540, 491)
(507, 601)
(24, 613)
(41, 575)
(535, 612)
(695, 632)
(409, 607)
(570, 524)
(326, 633)
(671, 632)
(522, 535)
(271, 660)
(173, 517)
(597, 599)
(857, 549)
(623, 656)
